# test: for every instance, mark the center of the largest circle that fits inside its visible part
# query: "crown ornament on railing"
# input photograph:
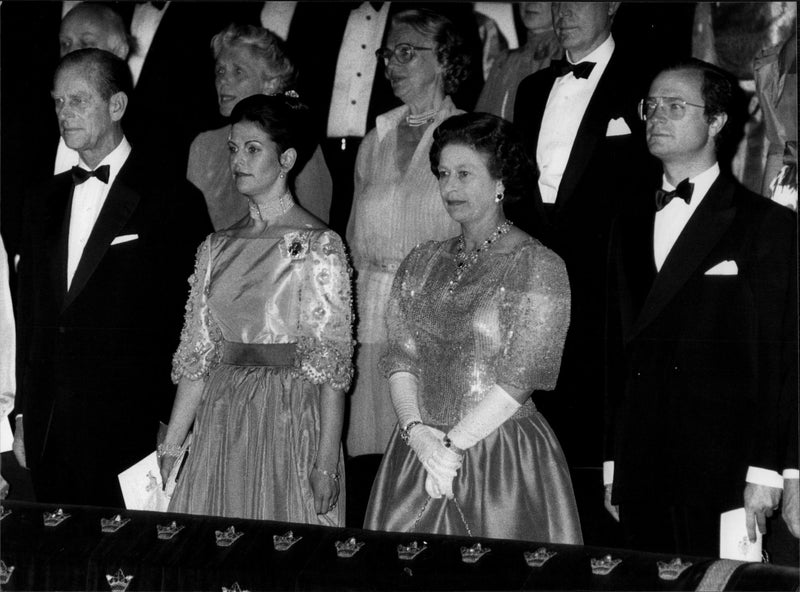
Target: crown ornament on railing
(167, 531)
(604, 565)
(4, 512)
(538, 557)
(119, 582)
(228, 537)
(234, 588)
(346, 549)
(113, 524)
(5, 572)
(673, 569)
(284, 542)
(408, 552)
(55, 518)
(474, 553)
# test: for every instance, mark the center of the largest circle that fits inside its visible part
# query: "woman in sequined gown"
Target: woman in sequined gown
(395, 202)
(266, 350)
(476, 323)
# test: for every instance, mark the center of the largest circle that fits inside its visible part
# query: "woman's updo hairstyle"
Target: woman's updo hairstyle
(451, 50)
(284, 118)
(495, 138)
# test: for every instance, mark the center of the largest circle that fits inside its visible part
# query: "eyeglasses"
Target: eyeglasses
(674, 107)
(402, 52)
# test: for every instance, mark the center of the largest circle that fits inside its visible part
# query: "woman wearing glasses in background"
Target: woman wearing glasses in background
(249, 61)
(396, 202)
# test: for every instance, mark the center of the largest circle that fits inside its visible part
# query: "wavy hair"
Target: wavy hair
(495, 138)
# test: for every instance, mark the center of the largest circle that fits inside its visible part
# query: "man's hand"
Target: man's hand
(19, 444)
(612, 509)
(759, 503)
(791, 505)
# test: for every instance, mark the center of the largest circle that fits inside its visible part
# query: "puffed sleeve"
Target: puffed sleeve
(199, 351)
(535, 316)
(325, 340)
(402, 354)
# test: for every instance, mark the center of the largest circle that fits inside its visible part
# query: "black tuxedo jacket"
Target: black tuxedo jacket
(598, 179)
(703, 367)
(94, 361)
(175, 99)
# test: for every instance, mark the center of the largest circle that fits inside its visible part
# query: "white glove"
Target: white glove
(403, 392)
(495, 408)
(425, 441)
(442, 469)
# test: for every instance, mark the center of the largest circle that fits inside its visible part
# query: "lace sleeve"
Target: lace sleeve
(402, 354)
(535, 315)
(325, 343)
(199, 351)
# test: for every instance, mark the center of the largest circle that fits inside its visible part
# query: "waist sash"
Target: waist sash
(259, 354)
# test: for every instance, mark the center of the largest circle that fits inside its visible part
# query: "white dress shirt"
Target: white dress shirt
(66, 157)
(87, 201)
(562, 117)
(669, 224)
(277, 16)
(355, 71)
(671, 220)
(144, 25)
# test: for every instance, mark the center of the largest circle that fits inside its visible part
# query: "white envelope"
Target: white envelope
(727, 267)
(733, 540)
(124, 238)
(617, 127)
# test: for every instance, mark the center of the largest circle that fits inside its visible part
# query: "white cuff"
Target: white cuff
(17, 416)
(791, 474)
(608, 472)
(760, 476)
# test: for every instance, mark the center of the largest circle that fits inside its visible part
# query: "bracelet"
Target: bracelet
(405, 433)
(448, 443)
(328, 474)
(172, 450)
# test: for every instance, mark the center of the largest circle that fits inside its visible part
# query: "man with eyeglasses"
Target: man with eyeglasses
(579, 121)
(702, 364)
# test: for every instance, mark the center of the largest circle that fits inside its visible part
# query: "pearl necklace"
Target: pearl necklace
(465, 261)
(421, 119)
(273, 209)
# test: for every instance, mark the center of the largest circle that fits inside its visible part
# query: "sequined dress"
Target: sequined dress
(504, 322)
(268, 322)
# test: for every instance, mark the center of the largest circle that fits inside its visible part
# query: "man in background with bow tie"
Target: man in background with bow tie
(105, 256)
(702, 382)
(581, 129)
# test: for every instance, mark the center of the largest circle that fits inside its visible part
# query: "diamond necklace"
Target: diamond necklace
(273, 209)
(465, 261)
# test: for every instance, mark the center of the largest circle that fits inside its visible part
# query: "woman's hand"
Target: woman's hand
(425, 441)
(166, 463)
(325, 489)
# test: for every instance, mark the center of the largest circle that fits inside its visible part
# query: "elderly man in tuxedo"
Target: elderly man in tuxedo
(579, 121)
(106, 252)
(703, 319)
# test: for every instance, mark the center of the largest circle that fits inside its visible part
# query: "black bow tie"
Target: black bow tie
(579, 70)
(80, 175)
(683, 190)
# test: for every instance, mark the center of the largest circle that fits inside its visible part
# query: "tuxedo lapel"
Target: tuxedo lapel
(638, 266)
(707, 225)
(116, 211)
(57, 240)
(591, 130)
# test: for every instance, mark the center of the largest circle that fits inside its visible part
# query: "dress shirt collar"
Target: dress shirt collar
(702, 183)
(115, 159)
(600, 56)
(391, 119)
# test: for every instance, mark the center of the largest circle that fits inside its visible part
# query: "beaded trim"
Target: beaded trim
(465, 261)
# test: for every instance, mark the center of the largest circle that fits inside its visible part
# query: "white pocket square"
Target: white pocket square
(617, 127)
(124, 238)
(724, 268)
